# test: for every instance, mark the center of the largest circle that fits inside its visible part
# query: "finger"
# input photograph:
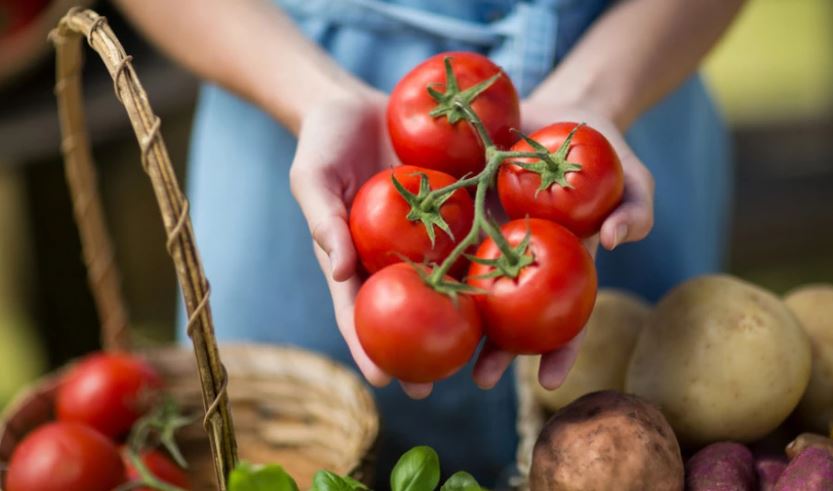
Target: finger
(490, 366)
(634, 218)
(326, 216)
(555, 365)
(417, 391)
(344, 298)
(592, 245)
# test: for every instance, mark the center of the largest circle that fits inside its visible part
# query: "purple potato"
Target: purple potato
(722, 466)
(769, 470)
(811, 470)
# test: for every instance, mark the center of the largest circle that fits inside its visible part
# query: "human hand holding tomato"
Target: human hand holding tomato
(340, 146)
(630, 221)
(416, 322)
(633, 218)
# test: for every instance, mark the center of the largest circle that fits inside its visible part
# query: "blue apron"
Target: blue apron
(267, 286)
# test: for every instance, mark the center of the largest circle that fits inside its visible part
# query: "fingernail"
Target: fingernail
(620, 235)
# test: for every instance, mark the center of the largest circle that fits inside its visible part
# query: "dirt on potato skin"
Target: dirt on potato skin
(607, 441)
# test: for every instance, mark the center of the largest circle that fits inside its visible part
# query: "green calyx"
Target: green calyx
(425, 207)
(552, 167)
(450, 287)
(509, 265)
(452, 102)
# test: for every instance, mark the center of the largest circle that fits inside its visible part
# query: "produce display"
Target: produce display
(726, 362)
(718, 364)
(602, 361)
(100, 400)
(724, 359)
(415, 228)
(813, 305)
(607, 440)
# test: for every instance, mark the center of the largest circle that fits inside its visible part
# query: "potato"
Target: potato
(610, 337)
(813, 305)
(806, 440)
(607, 441)
(811, 470)
(723, 466)
(769, 471)
(724, 360)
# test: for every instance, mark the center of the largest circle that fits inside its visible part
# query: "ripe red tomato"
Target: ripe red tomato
(382, 231)
(162, 467)
(410, 330)
(423, 140)
(549, 302)
(107, 391)
(65, 457)
(596, 188)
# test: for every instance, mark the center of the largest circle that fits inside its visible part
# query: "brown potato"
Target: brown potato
(724, 360)
(607, 441)
(813, 305)
(603, 358)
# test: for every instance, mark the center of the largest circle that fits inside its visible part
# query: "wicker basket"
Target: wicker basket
(530, 420)
(290, 406)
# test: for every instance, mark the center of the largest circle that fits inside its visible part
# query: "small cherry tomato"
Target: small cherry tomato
(549, 301)
(162, 467)
(108, 392)
(434, 141)
(412, 331)
(385, 227)
(580, 188)
(65, 457)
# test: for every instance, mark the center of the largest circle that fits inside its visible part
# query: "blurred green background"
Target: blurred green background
(773, 75)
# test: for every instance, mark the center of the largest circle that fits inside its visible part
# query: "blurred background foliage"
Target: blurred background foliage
(773, 75)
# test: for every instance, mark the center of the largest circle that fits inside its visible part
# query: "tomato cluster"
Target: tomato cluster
(97, 403)
(531, 284)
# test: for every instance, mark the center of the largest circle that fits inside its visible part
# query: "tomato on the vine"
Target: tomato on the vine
(108, 392)
(162, 467)
(385, 227)
(65, 457)
(580, 185)
(444, 140)
(549, 300)
(412, 331)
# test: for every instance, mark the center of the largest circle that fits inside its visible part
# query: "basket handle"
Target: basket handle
(102, 273)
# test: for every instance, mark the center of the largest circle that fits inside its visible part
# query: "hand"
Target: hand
(630, 222)
(340, 145)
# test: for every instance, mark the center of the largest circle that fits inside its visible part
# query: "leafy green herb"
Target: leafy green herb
(248, 477)
(417, 470)
(461, 481)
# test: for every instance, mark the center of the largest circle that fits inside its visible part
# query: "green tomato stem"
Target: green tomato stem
(475, 121)
(483, 180)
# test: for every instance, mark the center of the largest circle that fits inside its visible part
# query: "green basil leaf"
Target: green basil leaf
(417, 470)
(247, 477)
(461, 481)
(327, 481)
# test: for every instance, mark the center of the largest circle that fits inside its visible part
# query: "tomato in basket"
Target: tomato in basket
(65, 457)
(108, 392)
